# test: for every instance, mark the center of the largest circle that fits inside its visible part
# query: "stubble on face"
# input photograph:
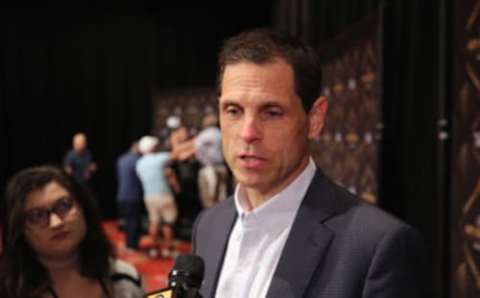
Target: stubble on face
(264, 126)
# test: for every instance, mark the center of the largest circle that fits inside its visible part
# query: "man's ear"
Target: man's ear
(316, 117)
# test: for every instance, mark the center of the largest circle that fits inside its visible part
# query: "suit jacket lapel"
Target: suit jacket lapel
(221, 233)
(307, 243)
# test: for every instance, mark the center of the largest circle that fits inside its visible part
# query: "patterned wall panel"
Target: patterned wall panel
(465, 191)
(190, 105)
(348, 148)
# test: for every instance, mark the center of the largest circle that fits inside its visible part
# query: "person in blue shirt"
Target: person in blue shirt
(130, 195)
(152, 169)
(78, 161)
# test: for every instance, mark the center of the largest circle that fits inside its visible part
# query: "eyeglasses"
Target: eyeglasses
(41, 217)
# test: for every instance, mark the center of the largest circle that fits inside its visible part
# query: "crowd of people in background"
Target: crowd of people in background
(173, 180)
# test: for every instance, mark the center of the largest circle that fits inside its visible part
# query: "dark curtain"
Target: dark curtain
(415, 96)
(320, 20)
(95, 68)
(65, 74)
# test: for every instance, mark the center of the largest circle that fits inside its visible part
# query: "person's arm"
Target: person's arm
(92, 167)
(183, 150)
(172, 179)
(397, 268)
(67, 163)
(68, 169)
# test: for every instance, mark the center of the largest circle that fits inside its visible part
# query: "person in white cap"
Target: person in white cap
(159, 200)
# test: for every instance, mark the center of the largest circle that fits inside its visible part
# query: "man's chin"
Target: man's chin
(257, 182)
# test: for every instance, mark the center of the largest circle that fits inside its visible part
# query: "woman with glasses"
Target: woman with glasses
(54, 245)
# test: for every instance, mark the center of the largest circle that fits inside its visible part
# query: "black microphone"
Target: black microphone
(185, 279)
(186, 276)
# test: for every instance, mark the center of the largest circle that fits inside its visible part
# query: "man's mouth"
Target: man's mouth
(252, 161)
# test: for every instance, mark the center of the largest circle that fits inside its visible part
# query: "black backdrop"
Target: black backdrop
(94, 70)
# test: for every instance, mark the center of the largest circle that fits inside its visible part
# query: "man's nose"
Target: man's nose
(55, 220)
(250, 130)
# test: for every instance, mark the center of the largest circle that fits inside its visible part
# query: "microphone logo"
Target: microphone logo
(167, 293)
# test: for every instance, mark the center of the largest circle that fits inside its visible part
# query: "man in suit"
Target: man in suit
(288, 231)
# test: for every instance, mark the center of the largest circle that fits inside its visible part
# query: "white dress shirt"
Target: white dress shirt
(258, 238)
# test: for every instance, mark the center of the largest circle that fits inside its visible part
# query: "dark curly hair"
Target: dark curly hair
(21, 275)
(263, 45)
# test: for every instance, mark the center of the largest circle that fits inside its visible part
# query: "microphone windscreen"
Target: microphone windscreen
(191, 264)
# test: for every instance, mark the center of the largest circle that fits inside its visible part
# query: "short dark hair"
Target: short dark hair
(21, 275)
(263, 45)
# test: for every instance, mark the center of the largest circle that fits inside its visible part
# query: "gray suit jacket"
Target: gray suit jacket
(338, 247)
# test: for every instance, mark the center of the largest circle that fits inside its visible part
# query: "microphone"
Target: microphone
(185, 279)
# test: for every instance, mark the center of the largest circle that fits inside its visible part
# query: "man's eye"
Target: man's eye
(273, 113)
(232, 111)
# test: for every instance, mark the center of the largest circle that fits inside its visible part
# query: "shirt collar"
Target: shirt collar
(279, 210)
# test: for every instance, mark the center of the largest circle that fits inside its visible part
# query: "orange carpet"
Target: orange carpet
(154, 271)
